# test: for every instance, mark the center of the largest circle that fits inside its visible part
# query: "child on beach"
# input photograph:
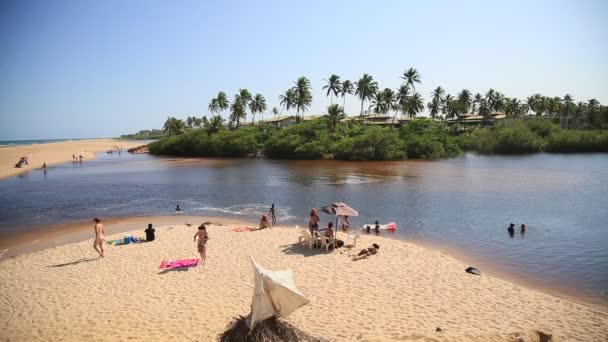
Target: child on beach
(203, 237)
(150, 233)
(313, 224)
(99, 237)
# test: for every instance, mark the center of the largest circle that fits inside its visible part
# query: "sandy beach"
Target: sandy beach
(54, 153)
(405, 292)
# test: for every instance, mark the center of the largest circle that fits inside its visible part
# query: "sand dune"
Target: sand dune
(401, 294)
(54, 153)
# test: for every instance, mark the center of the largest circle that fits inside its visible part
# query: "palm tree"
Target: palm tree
(173, 126)
(476, 100)
(274, 111)
(415, 105)
(287, 100)
(333, 86)
(237, 111)
(335, 113)
(434, 107)
(303, 96)
(464, 101)
(214, 125)
(245, 96)
(411, 76)
(438, 95)
(449, 107)
(513, 107)
(213, 106)
(366, 87)
(257, 105)
(401, 100)
(347, 88)
(378, 102)
(222, 101)
(190, 121)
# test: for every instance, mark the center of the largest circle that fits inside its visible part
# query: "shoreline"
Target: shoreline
(407, 289)
(54, 153)
(34, 240)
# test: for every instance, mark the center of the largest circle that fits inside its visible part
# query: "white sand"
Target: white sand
(403, 293)
(54, 153)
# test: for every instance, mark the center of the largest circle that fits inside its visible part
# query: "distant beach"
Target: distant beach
(52, 152)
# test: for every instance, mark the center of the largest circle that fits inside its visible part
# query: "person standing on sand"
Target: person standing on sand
(99, 237)
(273, 215)
(203, 237)
(313, 224)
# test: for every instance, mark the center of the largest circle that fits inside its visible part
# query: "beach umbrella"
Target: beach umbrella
(274, 295)
(339, 209)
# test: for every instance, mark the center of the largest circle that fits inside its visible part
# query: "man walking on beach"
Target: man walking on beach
(99, 237)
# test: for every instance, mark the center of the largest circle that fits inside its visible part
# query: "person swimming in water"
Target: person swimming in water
(377, 227)
(511, 229)
(522, 228)
(178, 209)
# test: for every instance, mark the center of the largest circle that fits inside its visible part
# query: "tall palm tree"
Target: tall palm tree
(222, 101)
(245, 96)
(434, 107)
(378, 102)
(347, 89)
(287, 100)
(513, 107)
(173, 126)
(464, 101)
(213, 106)
(365, 88)
(415, 105)
(388, 100)
(275, 111)
(401, 100)
(237, 111)
(333, 86)
(410, 77)
(476, 100)
(438, 95)
(257, 105)
(303, 96)
(335, 113)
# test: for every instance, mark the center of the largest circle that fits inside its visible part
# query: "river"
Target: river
(461, 204)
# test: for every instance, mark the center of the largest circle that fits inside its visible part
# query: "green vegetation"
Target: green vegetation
(145, 134)
(530, 136)
(487, 122)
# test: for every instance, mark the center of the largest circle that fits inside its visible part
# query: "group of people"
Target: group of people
(201, 237)
(511, 229)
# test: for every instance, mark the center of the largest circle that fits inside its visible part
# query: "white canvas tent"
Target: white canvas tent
(274, 294)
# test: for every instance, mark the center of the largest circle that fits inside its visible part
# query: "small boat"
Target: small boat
(389, 226)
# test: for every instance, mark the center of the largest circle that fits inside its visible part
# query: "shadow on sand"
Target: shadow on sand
(74, 262)
(177, 269)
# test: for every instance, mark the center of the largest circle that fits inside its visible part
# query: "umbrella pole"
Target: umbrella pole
(336, 235)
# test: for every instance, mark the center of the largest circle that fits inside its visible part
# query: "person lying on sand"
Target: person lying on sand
(364, 253)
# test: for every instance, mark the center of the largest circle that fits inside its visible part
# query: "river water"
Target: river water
(462, 204)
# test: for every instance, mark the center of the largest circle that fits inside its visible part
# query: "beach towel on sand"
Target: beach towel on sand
(178, 263)
(241, 229)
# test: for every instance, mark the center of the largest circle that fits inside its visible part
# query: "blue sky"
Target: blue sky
(72, 69)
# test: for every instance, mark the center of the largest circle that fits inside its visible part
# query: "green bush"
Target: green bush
(425, 139)
(197, 143)
(307, 140)
(578, 141)
(515, 137)
(375, 143)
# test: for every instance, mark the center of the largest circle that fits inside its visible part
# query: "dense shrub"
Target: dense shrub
(375, 143)
(578, 141)
(515, 137)
(199, 144)
(307, 140)
(425, 139)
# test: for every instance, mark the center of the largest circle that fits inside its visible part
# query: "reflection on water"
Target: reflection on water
(464, 203)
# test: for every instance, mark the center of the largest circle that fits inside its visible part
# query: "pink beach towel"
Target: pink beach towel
(179, 263)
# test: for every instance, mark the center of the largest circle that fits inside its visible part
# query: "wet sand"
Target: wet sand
(403, 293)
(55, 153)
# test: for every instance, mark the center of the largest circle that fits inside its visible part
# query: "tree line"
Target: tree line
(404, 101)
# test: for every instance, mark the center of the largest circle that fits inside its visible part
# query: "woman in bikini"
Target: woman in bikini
(203, 237)
(99, 237)
(313, 224)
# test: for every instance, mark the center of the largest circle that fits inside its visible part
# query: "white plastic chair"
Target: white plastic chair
(307, 238)
(353, 235)
(326, 242)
